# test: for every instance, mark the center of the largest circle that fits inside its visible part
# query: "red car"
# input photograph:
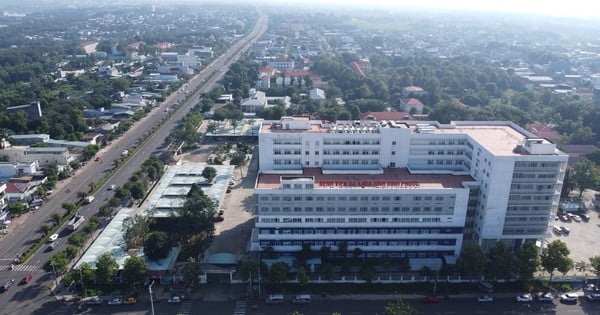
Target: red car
(26, 279)
(429, 299)
(228, 190)
(98, 158)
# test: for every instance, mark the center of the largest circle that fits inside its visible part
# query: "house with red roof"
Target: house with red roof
(408, 104)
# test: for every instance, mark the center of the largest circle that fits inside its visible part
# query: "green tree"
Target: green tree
(45, 229)
(595, 262)
(471, 261)
(278, 273)
(555, 256)
(56, 217)
(59, 260)
(106, 268)
(138, 190)
(247, 268)
(399, 308)
(209, 173)
(135, 229)
(135, 270)
(302, 276)
(585, 175)
(196, 215)
(238, 159)
(528, 260)
(157, 245)
(499, 262)
(16, 208)
(191, 272)
(342, 249)
(328, 272)
(404, 265)
(86, 274)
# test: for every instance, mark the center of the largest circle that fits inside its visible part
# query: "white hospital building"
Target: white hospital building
(403, 189)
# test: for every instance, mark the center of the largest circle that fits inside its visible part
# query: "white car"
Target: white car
(526, 297)
(568, 298)
(115, 301)
(547, 297)
(485, 298)
(52, 238)
(174, 299)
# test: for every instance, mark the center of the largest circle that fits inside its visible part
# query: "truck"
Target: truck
(75, 222)
(88, 199)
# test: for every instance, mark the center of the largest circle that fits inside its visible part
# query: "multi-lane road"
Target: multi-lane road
(21, 238)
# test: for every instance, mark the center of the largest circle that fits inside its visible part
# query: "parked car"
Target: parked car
(52, 238)
(585, 217)
(545, 297)
(95, 301)
(26, 279)
(98, 158)
(429, 299)
(228, 190)
(574, 217)
(174, 299)
(525, 297)
(219, 218)
(130, 300)
(564, 218)
(115, 301)
(593, 297)
(6, 285)
(568, 298)
(485, 298)
(565, 230)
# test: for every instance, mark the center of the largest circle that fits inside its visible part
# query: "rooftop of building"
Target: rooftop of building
(170, 192)
(396, 178)
(501, 138)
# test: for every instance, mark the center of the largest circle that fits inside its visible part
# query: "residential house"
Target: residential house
(408, 104)
(317, 95)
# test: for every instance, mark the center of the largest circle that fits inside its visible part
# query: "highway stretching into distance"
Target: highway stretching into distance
(21, 298)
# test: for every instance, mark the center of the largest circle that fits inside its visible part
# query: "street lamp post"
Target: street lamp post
(151, 297)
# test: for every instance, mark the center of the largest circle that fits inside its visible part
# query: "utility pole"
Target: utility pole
(151, 297)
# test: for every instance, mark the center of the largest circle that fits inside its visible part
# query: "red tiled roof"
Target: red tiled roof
(357, 69)
(412, 102)
(544, 131)
(12, 187)
(296, 73)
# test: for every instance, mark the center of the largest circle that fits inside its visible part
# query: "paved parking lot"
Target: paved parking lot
(584, 239)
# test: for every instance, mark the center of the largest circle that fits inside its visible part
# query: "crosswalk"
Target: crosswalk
(240, 308)
(185, 308)
(29, 268)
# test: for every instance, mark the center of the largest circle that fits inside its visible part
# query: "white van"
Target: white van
(274, 299)
(557, 230)
(301, 299)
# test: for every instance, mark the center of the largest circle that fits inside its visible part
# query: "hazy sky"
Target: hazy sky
(569, 8)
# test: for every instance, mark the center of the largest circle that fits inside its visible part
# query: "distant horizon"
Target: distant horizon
(579, 9)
